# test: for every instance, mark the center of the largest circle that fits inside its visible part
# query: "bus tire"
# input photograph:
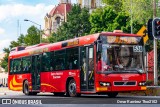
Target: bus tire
(71, 91)
(112, 94)
(26, 88)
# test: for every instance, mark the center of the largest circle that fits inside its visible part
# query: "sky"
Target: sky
(13, 13)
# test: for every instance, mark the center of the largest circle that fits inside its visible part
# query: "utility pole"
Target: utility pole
(131, 17)
(155, 47)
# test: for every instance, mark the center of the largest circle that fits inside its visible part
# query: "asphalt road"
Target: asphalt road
(49, 100)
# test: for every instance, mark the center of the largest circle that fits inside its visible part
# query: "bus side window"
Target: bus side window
(26, 64)
(72, 58)
(17, 65)
(59, 60)
(46, 62)
(11, 66)
(20, 66)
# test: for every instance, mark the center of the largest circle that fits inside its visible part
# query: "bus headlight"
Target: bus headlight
(142, 83)
(105, 83)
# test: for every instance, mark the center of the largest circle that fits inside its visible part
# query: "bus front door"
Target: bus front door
(36, 67)
(87, 68)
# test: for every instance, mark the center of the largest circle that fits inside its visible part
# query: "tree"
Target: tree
(4, 61)
(77, 24)
(139, 10)
(107, 19)
(102, 19)
(32, 37)
(116, 4)
(21, 39)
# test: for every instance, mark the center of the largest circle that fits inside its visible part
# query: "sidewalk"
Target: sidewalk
(5, 90)
(151, 91)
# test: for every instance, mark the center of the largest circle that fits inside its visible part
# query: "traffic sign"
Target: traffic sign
(142, 32)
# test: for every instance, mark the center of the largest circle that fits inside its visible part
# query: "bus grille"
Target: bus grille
(124, 83)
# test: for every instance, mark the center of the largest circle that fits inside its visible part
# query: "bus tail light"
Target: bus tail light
(105, 83)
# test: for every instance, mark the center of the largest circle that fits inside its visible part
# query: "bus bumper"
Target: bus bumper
(121, 88)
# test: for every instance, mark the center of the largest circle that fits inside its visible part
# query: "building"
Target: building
(58, 14)
(91, 4)
(3, 74)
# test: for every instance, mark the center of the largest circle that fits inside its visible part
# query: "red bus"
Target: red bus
(102, 63)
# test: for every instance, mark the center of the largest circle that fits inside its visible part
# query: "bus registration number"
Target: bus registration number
(137, 48)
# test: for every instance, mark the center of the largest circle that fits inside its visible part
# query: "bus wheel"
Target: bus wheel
(26, 88)
(112, 94)
(72, 88)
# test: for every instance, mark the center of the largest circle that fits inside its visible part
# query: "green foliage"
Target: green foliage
(140, 10)
(116, 4)
(107, 19)
(21, 39)
(102, 19)
(52, 38)
(4, 62)
(32, 37)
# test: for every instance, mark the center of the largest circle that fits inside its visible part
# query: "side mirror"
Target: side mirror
(99, 47)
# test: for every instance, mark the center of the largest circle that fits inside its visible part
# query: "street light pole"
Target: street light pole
(40, 33)
(36, 24)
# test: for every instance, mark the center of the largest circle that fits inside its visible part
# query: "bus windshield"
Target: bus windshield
(121, 58)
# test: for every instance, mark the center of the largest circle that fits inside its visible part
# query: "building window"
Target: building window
(58, 20)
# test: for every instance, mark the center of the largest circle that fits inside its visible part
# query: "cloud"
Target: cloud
(10, 11)
(4, 44)
(2, 31)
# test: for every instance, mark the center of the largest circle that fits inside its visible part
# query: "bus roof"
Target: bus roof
(79, 41)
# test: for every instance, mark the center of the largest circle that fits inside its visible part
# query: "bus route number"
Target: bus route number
(137, 48)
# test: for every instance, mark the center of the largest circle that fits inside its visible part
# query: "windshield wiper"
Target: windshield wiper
(135, 70)
(119, 71)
